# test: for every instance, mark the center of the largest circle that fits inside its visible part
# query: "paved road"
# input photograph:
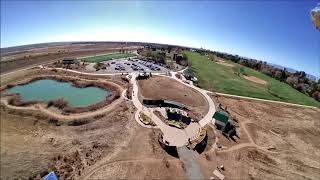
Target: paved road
(193, 170)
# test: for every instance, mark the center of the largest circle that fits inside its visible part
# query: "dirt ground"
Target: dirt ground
(165, 88)
(255, 79)
(32, 144)
(113, 146)
(36, 56)
(276, 142)
(222, 62)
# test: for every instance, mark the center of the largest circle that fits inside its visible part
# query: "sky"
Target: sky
(279, 32)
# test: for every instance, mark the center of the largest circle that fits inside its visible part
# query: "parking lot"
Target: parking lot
(128, 65)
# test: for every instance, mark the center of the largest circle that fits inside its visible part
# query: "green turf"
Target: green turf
(221, 78)
(107, 57)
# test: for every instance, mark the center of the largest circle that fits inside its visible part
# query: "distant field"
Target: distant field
(107, 57)
(221, 78)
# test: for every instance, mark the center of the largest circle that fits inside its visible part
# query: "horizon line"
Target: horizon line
(159, 44)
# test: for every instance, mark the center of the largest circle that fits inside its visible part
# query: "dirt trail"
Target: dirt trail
(244, 145)
(105, 161)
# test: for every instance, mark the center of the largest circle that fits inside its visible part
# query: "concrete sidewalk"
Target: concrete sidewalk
(174, 136)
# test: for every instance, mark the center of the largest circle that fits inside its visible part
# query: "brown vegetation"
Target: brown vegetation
(25, 58)
(32, 146)
(255, 79)
(224, 63)
(276, 141)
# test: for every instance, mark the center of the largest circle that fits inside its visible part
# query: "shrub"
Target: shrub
(59, 103)
(78, 122)
(54, 122)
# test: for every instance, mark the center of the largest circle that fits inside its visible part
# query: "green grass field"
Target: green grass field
(221, 78)
(106, 57)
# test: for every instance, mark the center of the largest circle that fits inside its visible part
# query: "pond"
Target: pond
(45, 90)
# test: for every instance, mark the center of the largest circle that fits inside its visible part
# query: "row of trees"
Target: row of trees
(297, 80)
(156, 56)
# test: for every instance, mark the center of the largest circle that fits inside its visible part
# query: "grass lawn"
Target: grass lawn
(220, 78)
(106, 57)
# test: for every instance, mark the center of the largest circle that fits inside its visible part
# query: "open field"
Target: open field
(114, 145)
(158, 87)
(276, 142)
(11, 61)
(107, 57)
(31, 145)
(102, 145)
(216, 77)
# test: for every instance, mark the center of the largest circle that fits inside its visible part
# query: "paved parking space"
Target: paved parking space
(127, 66)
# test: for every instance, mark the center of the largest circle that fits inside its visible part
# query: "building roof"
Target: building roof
(221, 116)
(69, 59)
(175, 103)
(218, 174)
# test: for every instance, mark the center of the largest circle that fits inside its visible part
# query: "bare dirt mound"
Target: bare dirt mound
(165, 88)
(255, 79)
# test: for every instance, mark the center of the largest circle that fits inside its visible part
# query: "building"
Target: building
(178, 58)
(221, 119)
(224, 123)
(174, 56)
(70, 61)
(143, 75)
(163, 103)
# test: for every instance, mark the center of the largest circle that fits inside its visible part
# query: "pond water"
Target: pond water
(46, 90)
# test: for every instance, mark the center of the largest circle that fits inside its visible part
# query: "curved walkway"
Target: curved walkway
(212, 109)
(173, 136)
